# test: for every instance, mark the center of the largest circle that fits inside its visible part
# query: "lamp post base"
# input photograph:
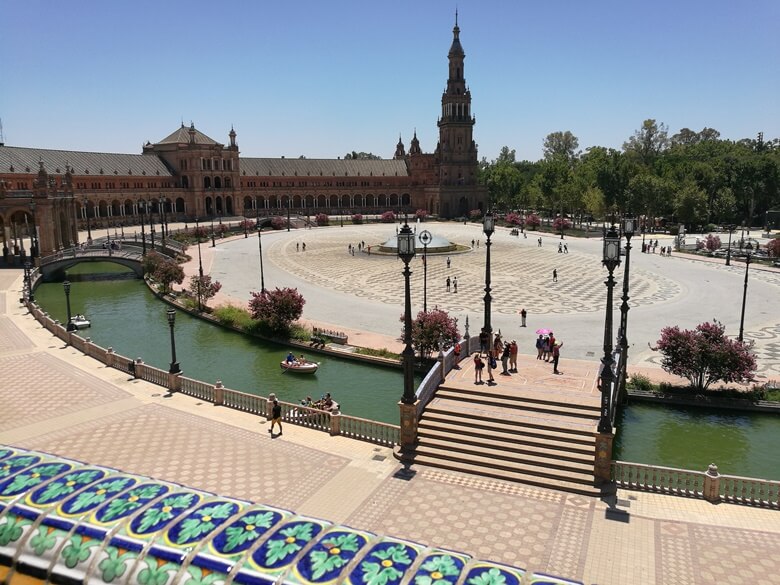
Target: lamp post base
(408, 424)
(174, 369)
(71, 326)
(603, 465)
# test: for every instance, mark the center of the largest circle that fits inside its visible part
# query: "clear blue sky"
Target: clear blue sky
(320, 78)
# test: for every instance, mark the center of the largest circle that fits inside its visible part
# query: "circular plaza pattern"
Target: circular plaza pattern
(364, 291)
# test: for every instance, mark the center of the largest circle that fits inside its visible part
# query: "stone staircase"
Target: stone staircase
(504, 433)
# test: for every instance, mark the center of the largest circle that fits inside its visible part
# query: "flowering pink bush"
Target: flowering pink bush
(199, 233)
(431, 327)
(421, 214)
(561, 224)
(532, 221)
(247, 224)
(388, 217)
(204, 287)
(278, 222)
(710, 243)
(357, 218)
(773, 247)
(705, 355)
(277, 308)
(322, 219)
(475, 214)
(513, 219)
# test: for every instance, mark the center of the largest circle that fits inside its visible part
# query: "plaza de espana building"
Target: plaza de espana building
(191, 175)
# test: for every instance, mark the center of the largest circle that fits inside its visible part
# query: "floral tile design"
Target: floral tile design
(74, 522)
(385, 563)
(279, 551)
(482, 573)
(440, 567)
(326, 559)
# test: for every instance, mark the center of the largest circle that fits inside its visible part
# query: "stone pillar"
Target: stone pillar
(408, 424)
(712, 484)
(174, 382)
(219, 393)
(110, 357)
(138, 369)
(335, 424)
(602, 468)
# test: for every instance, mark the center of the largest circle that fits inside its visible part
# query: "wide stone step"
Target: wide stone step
(559, 428)
(511, 399)
(524, 475)
(541, 446)
(491, 456)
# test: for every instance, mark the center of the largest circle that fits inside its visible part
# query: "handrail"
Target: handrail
(370, 430)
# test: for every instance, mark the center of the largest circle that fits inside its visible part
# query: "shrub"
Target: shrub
(234, 317)
(421, 214)
(641, 382)
(430, 328)
(514, 219)
(247, 224)
(151, 261)
(711, 243)
(532, 221)
(166, 273)
(278, 222)
(220, 229)
(475, 214)
(322, 219)
(357, 218)
(705, 355)
(204, 287)
(277, 309)
(388, 217)
(773, 247)
(674, 230)
(561, 224)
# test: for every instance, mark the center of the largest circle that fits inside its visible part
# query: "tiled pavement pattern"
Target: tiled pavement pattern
(582, 290)
(657, 539)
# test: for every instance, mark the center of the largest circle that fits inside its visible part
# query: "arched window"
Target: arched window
(207, 182)
(217, 183)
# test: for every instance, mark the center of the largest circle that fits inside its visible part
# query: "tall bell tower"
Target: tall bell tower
(456, 152)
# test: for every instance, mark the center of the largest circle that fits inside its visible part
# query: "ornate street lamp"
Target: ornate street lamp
(34, 251)
(406, 244)
(629, 225)
(425, 238)
(86, 215)
(728, 248)
(70, 326)
(213, 241)
(288, 213)
(260, 247)
(200, 266)
(142, 207)
(488, 227)
(161, 211)
(611, 260)
(744, 298)
(151, 221)
(174, 369)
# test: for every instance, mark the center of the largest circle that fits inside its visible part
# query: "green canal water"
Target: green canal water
(128, 318)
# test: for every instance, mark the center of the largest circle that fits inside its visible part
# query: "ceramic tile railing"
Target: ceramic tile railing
(668, 480)
(751, 491)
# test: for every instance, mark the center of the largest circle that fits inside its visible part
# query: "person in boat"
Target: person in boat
(307, 401)
(290, 359)
(327, 402)
(302, 360)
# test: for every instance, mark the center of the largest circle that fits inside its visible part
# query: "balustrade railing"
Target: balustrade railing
(369, 430)
(197, 389)
(708, 485)
(79, 343)
(312, 418)
(245, 402)
(427, 388)
(153, 375)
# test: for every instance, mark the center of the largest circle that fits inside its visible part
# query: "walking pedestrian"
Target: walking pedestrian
(276, 417)
(479, 365)
(523, 314)
(297, 246)
(483, 342)
(539, 346)
(304, 246)
(546, 349)
(455, 284)
(560, 248)
(555, 275)
(565, 248)
(448, 262)
(539, 241)
(472, 242)
(447, 284)
(491, 365)
(556, 354)
(456, 354)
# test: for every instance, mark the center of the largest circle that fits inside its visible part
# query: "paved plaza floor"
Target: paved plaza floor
(363, 294)
(54, 399)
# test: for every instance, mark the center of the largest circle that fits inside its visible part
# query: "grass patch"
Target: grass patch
(299, 333)
(235, 317)
(382, 353)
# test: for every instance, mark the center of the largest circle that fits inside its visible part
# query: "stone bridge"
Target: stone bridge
(53, 267)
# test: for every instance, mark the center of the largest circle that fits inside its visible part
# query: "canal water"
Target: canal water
(739, 443)
(127, 317)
